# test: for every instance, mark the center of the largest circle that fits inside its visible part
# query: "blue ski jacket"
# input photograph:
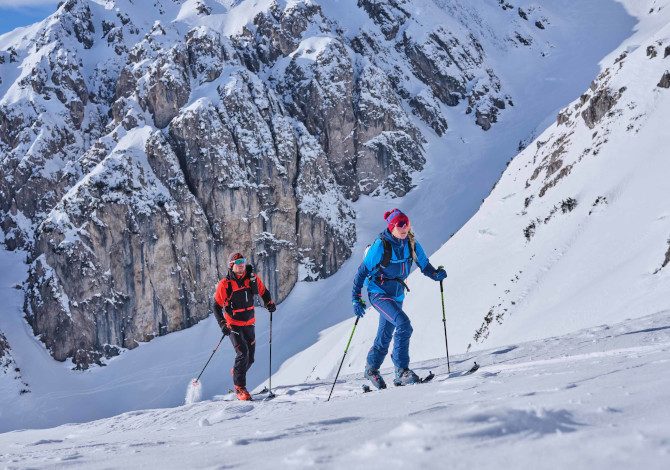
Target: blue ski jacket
(385, 280)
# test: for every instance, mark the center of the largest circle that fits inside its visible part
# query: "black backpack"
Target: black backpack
(252, 278)
(388, 251)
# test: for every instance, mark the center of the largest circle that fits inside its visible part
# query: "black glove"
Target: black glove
(271, 306)
(224, 328)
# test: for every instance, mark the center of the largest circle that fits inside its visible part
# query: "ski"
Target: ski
(427, 378)
(431, 376)
(258, 396)
(265, 390)
(473, 369)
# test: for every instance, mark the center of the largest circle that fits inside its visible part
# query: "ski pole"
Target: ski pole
(444, 322)
(345, 355)
(210, 358)
(270, 394)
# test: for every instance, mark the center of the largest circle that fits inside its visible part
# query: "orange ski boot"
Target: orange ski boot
(242, 393)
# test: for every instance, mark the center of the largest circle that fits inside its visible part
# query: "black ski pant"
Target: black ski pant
(245, 346)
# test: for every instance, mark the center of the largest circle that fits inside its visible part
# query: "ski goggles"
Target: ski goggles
(239, 261)
(402, 224)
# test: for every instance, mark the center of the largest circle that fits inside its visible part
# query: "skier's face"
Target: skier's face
(400, 232)
(239, 269)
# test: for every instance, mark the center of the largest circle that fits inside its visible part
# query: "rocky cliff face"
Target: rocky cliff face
(9, 371)
(141, 144)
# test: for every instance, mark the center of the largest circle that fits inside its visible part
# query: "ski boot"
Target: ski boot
(375, 377)
(242, 393)
(405, 376)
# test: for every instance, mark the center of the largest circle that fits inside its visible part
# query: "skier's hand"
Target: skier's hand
(440, 274)
(359, 307)
(271, 306)
(225, 329)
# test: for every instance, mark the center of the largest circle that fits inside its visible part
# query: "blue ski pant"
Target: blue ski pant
(393, 323)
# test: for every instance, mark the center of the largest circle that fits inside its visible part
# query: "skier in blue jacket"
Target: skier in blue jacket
(386, 265)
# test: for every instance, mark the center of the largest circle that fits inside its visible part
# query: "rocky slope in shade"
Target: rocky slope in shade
(140, 145)
(10, 373)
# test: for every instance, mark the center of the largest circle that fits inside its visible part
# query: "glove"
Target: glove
(359, 307)
(271, 306)
(439, 275)
(225, 329)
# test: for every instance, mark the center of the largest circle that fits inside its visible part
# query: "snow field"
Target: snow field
(592, 399)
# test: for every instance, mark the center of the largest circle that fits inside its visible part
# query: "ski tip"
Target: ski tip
(427, 378)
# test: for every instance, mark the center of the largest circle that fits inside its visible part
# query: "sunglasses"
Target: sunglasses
(239, 261)
(402, 223)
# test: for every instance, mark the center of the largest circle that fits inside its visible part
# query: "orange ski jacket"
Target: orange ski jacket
(235, 296)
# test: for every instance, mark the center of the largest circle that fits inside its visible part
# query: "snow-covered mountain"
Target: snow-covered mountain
(141, 143)
(562, 45)
(595, 399)
(576, 233)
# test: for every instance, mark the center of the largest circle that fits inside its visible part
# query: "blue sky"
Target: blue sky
(15, 13)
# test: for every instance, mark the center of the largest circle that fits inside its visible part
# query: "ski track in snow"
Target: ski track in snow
(597, 398)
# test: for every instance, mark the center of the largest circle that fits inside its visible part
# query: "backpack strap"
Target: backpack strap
(388, 252)
(252, 278)
(229, 288)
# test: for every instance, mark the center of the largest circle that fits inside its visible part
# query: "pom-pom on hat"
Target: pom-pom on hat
(395, 217)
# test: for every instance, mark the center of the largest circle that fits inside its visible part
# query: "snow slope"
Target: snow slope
(460, 170)
(576, 233)
(595, 399)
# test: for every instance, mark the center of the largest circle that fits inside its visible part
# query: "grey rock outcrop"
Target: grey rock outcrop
(600, 103)
(4, 350)
(9, 370)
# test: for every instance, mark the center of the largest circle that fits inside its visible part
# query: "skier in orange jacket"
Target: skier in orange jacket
(234, 311)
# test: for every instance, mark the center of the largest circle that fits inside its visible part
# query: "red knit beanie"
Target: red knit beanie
(233, 257)
(395, 217)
